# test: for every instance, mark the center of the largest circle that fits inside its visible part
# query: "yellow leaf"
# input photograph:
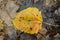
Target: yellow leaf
(1, 25)
(28, 20)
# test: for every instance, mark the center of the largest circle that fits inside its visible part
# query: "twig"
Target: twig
(50, 24)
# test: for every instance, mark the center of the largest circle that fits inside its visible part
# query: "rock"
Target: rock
(9, 12)
(1, 37)
(27, 37)
(59, 11)
(43, 31)
(10, 32)
(3, 4)
(11, 8)
(6, 18)
(50, 3)
(8, 29)
(39, 36)
(49, 38)
(50, 20)
(57, 36)
(36, 1)
(1, 1)
(56, 12)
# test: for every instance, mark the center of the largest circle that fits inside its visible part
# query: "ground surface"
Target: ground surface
(51, 16)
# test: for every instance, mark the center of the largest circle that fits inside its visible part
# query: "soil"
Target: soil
(51, 19)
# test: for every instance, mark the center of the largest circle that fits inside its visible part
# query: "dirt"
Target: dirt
(51, 19)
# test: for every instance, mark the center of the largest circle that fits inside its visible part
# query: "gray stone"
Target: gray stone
(11, 8)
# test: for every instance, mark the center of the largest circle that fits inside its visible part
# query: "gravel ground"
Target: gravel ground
(51, 19)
